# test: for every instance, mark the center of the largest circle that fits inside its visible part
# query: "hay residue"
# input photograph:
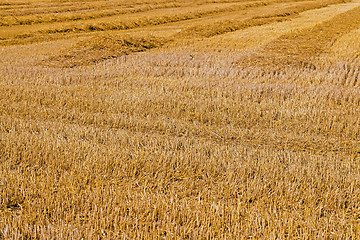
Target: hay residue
(99, 48)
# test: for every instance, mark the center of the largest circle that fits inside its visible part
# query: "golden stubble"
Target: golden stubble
(156, 133)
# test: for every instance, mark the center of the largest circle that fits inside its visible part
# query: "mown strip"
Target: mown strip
(221, 27)
(83, 14)
(26, 34)
(301, 47)
(107, 46)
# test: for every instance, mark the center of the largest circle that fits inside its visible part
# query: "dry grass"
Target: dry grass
(182, 131)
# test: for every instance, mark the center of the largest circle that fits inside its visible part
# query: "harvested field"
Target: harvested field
(179, 119)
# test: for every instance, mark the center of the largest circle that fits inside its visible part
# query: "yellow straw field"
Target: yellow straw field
(179, 119)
